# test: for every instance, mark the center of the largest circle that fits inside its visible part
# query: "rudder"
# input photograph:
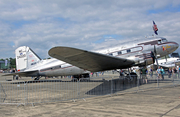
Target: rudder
(25, 58)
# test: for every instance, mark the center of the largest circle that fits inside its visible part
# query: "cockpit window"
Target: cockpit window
(159, 41)
(164, 40)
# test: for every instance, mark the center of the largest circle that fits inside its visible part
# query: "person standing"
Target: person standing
(13, 71)
(151, 72)
(162, 73)
(158, 71)
(92, 73)
(143, 72)
(121, 72)
(134, 70)
(169, 73)
(178, 71)
(174, 71)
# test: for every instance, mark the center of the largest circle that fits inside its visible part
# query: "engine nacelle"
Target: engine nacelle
(146, 60)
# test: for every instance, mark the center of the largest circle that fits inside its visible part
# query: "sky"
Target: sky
(83, 24)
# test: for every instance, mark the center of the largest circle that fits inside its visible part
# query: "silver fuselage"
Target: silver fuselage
(138, 51)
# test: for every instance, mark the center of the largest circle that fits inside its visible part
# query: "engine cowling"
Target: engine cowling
(147, 59)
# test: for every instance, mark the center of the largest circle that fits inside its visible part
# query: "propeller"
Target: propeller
(155, 56)
(166, 58)
(155, 52)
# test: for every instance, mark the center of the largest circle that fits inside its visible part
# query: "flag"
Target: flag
(155, 28)
(6, 61)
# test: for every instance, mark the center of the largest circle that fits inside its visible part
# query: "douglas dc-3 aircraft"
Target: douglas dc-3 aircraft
(80, 62)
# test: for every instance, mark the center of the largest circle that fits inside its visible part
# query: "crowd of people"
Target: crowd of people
(147, 73)
(15, 77)
(160, 73)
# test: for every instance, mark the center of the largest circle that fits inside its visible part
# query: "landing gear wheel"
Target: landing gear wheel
(37, 78)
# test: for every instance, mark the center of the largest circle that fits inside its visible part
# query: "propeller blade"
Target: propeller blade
(155, 53)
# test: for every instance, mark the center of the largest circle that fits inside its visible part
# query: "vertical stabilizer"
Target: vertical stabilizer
(25, 58)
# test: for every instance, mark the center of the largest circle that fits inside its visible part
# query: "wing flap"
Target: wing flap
(89, 60)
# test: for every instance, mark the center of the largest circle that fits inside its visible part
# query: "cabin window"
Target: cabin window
(159, 41)
(110, 54)
(119, 52)
(136, 49)
(128, 50)
(164, 40)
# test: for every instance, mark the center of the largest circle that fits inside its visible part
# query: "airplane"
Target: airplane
(77, 62)
(140, 52)
(168, 63)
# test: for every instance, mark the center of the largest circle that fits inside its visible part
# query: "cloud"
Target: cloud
(83, 24)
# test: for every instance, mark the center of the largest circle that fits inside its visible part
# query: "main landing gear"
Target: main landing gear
(129, 76)
(37, 78)
(81, 77)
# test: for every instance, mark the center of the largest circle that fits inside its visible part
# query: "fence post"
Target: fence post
(173, 79)
(77, 89)
(157, 82)
(111, 85)
(138, 80)
(26, 92)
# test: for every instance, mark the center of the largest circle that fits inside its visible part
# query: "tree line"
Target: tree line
(12, 62)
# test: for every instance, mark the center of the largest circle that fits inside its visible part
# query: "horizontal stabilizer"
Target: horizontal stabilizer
(24, 73)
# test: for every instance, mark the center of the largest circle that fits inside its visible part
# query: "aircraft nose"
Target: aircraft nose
(176, 45)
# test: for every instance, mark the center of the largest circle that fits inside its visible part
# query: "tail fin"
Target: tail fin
(25, 58)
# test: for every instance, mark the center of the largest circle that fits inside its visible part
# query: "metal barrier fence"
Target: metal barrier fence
(42, 91)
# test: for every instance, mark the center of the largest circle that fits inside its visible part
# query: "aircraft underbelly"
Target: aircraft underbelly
(64, 71)
(73, 71)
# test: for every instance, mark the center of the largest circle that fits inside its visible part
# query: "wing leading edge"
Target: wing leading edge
(89, 60)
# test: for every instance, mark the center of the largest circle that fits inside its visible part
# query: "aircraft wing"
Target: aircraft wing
(168, 66)
(23, 73)
(89, 60)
